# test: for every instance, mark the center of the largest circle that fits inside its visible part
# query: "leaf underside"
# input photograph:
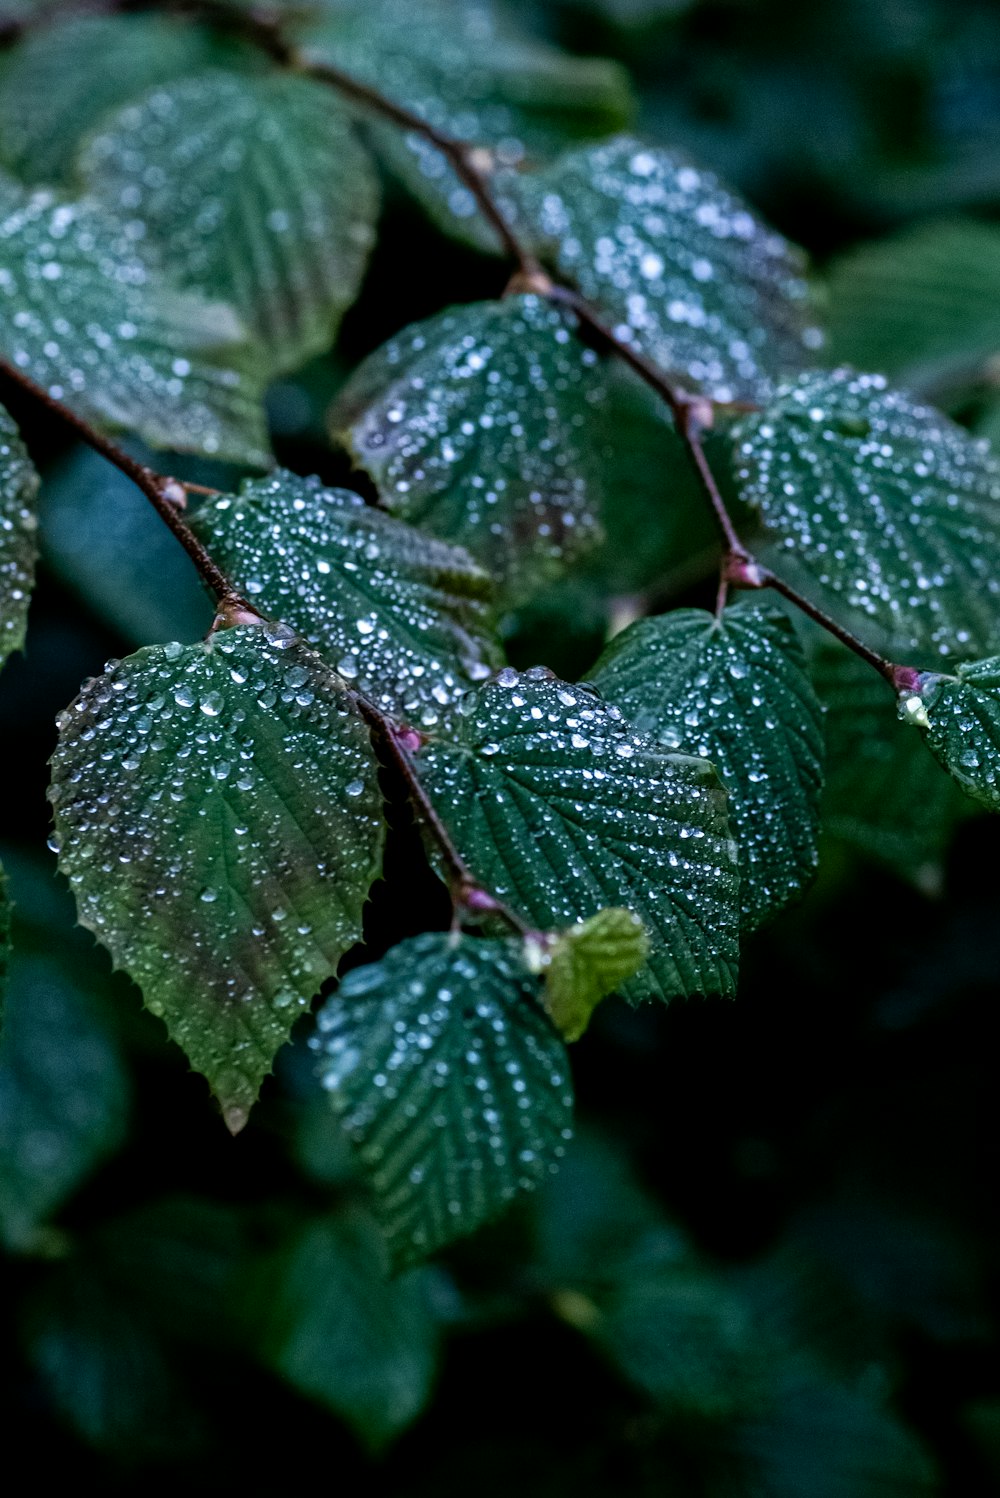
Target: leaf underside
(18, 530)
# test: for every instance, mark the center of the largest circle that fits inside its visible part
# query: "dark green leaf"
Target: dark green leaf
(562, 809)
(734, 691)
(462, 67)
(477, 425)
(63, 77)
(404, 616)
(587, 962)
(63, 1094)
(884, 794)
(18, 545)
(451, 1081)
(256, 190)
(679, 265)
(888, 505)
(340, 1331)
(102, 329)
(961, 716)
(219, 819)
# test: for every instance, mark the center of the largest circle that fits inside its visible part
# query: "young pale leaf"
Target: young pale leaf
(680, 266)
(589, 961)
(18, 544)
(891, 507)
(562, 809)
(884, 794)
(338, 1329)
(219, 820)
(477, 425)
(59, 81)
(450, 1080)
(402, 615)
(63, 1094)
(102, 329)
(464, 69)
(256, 190)
(961, 717)
(735, 691)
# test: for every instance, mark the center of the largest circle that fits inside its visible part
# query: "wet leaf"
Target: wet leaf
(892, 508)
(477, 426)
(18, 544)
(561, 808)
(257, 191)
(679, 265)
(450, 1080)
(734, 691)
(404, 617)
(589, 961)
(219, 820)
(103, 329)
(961, 717)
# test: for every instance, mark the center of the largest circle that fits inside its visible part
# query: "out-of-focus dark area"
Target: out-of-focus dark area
(771, 1266)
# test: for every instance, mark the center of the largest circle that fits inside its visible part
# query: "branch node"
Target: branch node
(233, 611)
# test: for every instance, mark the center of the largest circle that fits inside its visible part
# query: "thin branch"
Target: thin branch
(892, 673)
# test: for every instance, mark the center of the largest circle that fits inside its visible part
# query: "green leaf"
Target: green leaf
(477, 426)
(63, 1094)
(257, 191)
(59, 81)
(102, 538)
(892, 508)
(679, 265)
(589, 961)
(923, 305)
(734, 691)
(463, 68)
(961, 717)
(405, 617)
(884, 794)
(18, 544)
(451, 1081)
(340, 1331)
(562, 809)
(219, 820)
(101, 328)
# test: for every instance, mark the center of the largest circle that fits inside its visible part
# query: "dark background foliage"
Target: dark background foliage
(814, 1164)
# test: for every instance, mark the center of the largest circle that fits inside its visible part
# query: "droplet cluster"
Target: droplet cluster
(450, 1080)
(734, 691)
(563, 808)
(685, 270)
(400, 615)
(18, 530)
(478, 425)
(218, 817)
(95, 323)
(886, 503)
(961, 716)
(259, 190)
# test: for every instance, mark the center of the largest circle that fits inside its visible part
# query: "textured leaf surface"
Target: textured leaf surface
(465, 70)
(100, 328)
(340, 1331)
(678, 264)
(450, 1080)
(219, 819)
(257, 190)
(891, 507)
(59, 81)
(477, 425)
(63, 1094)
(589, 961)
(961, 715)
(563, 809)
(923, 305)
(884, 794)
(402, 615)
(736, 692)
(18, 544)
